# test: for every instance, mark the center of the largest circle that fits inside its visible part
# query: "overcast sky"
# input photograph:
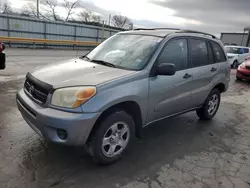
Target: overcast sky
(213, 16)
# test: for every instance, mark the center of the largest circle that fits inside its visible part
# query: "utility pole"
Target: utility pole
(102, 30)
(109, 19)
(37, 8)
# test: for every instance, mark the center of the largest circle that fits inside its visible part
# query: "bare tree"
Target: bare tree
(96, 18)
(6, 8)
(122, 22)
(89, 16)
(49, 9)
(69, 6)
(30, 10)
(85, 15)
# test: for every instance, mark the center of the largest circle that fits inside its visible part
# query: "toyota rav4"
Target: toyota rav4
(102, 100)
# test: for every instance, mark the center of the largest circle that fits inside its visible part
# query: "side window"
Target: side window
(175, 52)
(218, 52)
(246, 50)
(210, 54)
(241, 51)
(199, 52)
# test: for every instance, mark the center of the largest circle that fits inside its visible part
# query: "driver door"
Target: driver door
(169, 95)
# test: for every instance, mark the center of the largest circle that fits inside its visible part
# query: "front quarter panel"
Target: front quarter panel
(134, 88)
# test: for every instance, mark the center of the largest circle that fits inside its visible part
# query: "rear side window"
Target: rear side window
(199, 52)
(218, 52)
(175, 52)
(246, 50)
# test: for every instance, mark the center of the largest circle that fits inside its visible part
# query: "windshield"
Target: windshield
(232, 50)
(126, 51)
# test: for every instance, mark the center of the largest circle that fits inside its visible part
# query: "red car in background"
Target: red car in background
(2, 56)
(243, 71)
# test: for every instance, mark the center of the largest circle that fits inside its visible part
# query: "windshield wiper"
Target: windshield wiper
(85, 56)
(101, 62)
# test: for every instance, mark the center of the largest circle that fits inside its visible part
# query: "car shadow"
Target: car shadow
(161, 144)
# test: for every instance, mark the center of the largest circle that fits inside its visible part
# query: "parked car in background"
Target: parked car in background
(236, 54)
(2, 56)
(243, 71)
(131, 80)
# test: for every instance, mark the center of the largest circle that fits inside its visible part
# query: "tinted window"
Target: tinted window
(175, 52)
(210, 53)
(218, 52)
(199, 52)
(246, 50)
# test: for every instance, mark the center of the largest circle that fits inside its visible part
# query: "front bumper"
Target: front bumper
(47, 121)
(243, 73)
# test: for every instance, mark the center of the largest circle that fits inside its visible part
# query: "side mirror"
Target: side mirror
(166, 69)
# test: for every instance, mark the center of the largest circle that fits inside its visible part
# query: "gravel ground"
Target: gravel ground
(178, 152)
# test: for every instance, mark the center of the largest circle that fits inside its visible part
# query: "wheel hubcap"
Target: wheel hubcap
(115, 139)
(213, 104)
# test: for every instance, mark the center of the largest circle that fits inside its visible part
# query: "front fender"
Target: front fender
(136, 91)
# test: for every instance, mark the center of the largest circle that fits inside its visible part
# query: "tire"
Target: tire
(204, 111)
(106, 129)
(238, 78)
(235, 63)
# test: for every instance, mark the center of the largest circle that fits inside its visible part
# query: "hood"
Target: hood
(77, 72)
(247, 63)
(232, 55)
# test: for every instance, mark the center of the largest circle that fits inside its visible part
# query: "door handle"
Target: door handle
(213, 69)
(186, 76)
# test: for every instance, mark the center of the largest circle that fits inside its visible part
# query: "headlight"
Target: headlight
(72, 97)
(230, 57)
(242, 65)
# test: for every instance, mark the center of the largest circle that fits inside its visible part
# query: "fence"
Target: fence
(24, 27)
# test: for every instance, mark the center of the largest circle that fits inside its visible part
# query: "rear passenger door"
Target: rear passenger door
(205, 69)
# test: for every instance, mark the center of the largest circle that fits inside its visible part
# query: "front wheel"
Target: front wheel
(210, 106)
(112, 138)
(238, 78)
(235, 64)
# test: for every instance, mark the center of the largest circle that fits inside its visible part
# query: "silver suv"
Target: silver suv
(102, 100)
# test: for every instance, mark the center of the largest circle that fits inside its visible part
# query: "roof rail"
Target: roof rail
(156, 29)
(192, 31)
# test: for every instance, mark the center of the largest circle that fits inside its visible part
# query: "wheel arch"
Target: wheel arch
(221, 87)
(130, 107)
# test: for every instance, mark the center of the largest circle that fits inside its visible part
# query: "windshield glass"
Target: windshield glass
(232, 50)
(126, 51)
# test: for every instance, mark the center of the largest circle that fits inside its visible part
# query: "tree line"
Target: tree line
(49, 11)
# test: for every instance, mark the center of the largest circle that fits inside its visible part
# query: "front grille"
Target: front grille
(248, 67)
(36, 91)
(245, 75)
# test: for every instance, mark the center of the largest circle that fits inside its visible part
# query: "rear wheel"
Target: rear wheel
(210, 106)
(112, 138)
